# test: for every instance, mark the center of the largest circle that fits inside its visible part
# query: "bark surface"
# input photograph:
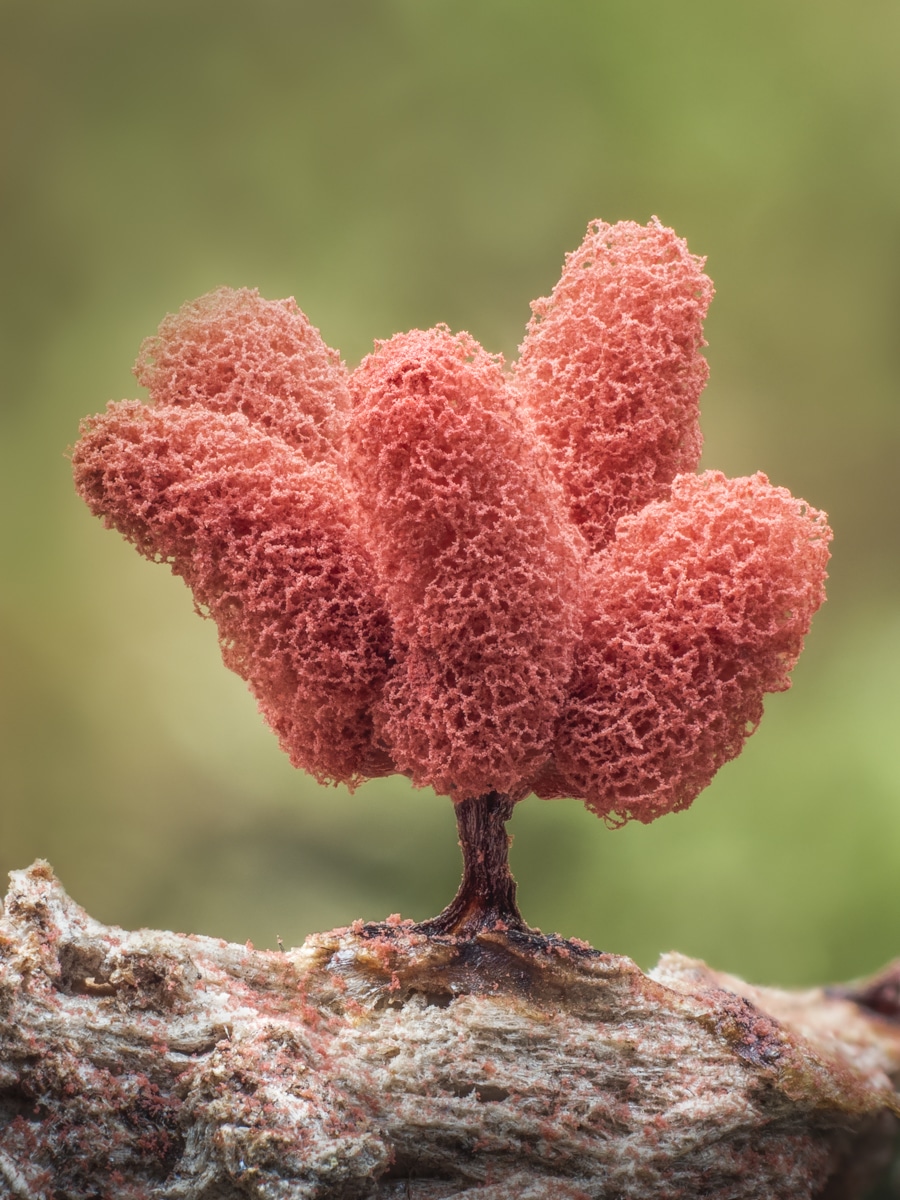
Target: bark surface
(382, 1061)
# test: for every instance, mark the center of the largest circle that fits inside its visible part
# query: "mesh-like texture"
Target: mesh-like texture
(698, 608)
(488, 583)
(265, 541)
(479, 565)
(612, 371)
(232, 351)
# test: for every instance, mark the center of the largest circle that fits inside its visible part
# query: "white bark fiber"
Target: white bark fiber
(379, 1062)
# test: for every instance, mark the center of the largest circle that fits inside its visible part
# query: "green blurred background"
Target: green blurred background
(393, 163)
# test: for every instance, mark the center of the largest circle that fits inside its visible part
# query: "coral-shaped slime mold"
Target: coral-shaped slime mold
(494, 582)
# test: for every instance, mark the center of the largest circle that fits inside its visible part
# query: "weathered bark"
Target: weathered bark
(379, 1061)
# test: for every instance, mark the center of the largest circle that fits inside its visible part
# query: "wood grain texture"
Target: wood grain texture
(376, 1061)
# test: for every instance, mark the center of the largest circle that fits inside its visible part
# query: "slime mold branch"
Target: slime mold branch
(494, 582)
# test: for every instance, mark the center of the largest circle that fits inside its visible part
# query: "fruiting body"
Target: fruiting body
(481, 571)
(493, 582)
(267, 544)
(697, 608)
(611, 370)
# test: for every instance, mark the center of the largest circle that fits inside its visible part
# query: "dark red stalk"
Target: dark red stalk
(487, 894)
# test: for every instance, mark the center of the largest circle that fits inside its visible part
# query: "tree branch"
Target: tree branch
(379, 1061)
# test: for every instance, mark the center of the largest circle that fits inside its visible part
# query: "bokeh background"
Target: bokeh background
(394, 163)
